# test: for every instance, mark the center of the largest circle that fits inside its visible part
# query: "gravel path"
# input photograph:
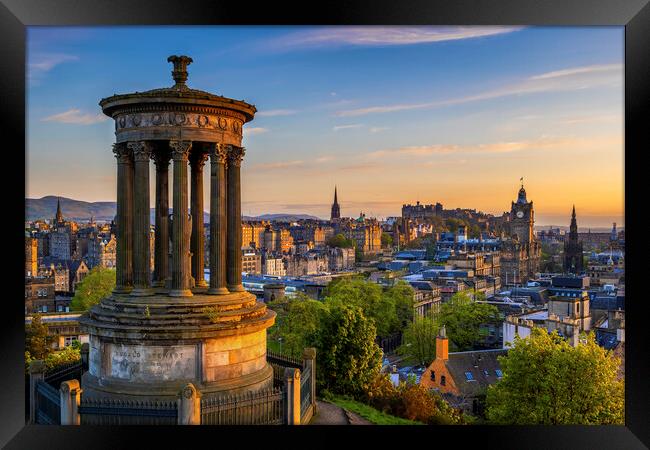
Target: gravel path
(330, 414)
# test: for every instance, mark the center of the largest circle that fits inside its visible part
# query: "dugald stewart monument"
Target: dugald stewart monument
(160, 332)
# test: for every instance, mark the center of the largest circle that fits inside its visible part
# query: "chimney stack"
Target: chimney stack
(442, 345)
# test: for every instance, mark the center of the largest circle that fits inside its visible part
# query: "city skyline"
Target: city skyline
(367, 109)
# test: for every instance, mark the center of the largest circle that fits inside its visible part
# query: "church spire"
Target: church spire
(336, 209)
(59, 214)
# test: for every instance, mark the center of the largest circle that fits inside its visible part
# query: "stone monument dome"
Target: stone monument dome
(159, 331)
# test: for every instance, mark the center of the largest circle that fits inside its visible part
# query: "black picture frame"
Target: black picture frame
(16, 15)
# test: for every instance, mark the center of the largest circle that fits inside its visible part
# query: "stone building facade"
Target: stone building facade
(520, 251)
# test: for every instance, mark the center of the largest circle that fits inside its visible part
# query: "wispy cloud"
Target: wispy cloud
(541, 143)
(255, 130)
(75, 116)
(347, 127)
(562, 80)
(278, 165)
(323, 159)
(378, 129)
(382, 36)
(39, 64)
(276, 112)
(596, 118)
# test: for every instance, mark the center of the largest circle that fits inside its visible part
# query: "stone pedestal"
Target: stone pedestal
(217, 343)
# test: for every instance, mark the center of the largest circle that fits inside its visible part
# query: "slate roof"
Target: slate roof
(475, 362)
(607, 303)
(606, 339)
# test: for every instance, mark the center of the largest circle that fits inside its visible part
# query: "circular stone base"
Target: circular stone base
(150, 347)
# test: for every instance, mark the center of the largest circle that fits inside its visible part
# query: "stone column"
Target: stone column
(292, 387)
(218, 226)
(197, 161)
(141, 222)
(124, 251)
(180, 245)
(161, 252)
(189, 406)
(235, 155)
(70, 398)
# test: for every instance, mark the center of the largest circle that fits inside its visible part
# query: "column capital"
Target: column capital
(198, 160)
(180, 149)
(141, 150)
(122, 153)
(161, 158)
(235, 155)
(218, 153)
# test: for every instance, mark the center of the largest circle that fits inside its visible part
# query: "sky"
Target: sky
(390, 115)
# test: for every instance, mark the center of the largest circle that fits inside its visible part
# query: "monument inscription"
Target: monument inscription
(152, 363)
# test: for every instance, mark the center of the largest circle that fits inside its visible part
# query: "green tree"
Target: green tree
(386, 240)
(369, 297)
(419, 340)
(299, 326)
(341, 241)
(463, 318)
(401, 295)
(546, 381)
(98, 284)
(349, 359)
(38, 343)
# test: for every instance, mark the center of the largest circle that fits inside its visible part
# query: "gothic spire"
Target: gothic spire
(59, 214)
(335, 200)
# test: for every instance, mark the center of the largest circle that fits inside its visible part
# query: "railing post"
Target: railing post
(189, 406)
(70, 393)
(36, 373)
(85, 350)
(292, 387)
(309, 361)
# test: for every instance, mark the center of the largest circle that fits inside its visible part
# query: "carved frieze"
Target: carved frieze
(174, 119)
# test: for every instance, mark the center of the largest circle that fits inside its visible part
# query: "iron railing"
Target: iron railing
(64, 372)
(260, 408)
(48, 404)
(306, 381)
(280, 362)
(127, 412)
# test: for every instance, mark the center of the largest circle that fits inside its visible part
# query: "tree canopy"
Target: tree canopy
(349, 359)
(98, 284)
(341, 241)
(463, 318)
(419, 340)
(547, 381)
(38, 343)
(390, 310)
(298, 324)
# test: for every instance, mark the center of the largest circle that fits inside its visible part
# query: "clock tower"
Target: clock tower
(522, 218)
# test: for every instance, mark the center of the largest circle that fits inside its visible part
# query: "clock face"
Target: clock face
(520, 214)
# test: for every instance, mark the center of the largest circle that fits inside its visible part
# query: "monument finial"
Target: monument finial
(180, 69)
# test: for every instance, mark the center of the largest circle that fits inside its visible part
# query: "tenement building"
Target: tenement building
(156, 333)
(520, 251)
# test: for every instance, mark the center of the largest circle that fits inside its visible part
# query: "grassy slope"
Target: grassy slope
(369, 413)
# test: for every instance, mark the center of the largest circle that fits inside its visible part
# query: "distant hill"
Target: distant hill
(283, 217)
(45, 208)
(77, 210)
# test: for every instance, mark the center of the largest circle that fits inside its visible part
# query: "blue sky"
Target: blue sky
(390, 115)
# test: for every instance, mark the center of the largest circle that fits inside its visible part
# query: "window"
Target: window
(433, 375)
(443, 380)
(499, 373)
(486, 373)
(469, 376)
